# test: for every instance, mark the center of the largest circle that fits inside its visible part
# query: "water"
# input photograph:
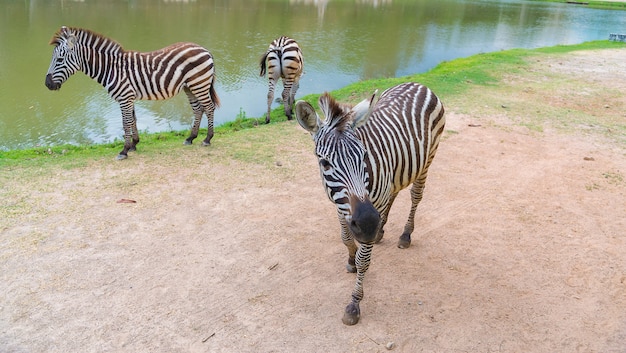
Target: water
(342, 41)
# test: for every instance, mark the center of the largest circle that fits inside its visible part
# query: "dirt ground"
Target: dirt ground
(520, 241)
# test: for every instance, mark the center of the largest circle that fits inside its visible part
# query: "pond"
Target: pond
(342, 41)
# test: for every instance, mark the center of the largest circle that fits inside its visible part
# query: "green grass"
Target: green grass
(448, 79)
(609, 5)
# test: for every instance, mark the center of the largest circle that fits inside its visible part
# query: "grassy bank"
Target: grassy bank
(609, 5)
(449, 80)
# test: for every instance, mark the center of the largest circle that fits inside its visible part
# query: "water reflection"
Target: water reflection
(342, 41)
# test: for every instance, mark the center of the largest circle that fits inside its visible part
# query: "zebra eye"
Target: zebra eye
(325, 164)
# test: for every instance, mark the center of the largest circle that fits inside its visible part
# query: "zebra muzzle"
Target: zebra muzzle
(53, 86)
(364, 221)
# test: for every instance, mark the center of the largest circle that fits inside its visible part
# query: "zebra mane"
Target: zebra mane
(82, 35)
(337, 116)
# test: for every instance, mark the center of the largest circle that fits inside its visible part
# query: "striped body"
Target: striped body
(132, 75)
(283, 60)
(367, 155)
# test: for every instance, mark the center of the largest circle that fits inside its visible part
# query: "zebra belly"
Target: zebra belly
(167, 84)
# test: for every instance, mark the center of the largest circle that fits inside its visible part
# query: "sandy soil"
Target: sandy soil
(519, 245)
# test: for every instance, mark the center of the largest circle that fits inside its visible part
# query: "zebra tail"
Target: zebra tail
(263, 63)
(214, 97)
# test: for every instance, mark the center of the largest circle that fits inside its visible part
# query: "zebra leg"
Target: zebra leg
(135, 133)
(352, 313)
(417, 190)
(270, 98)
(287, 98)
(209, 110)
(131, 137)
(292, 96)
(198, 109)
(348, 241)
(383, 218)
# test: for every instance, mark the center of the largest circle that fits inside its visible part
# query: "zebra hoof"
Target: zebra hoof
(405, 241)
(121, 157)
(351, 265)
(187, 142)
(352, 314)
(204, 143)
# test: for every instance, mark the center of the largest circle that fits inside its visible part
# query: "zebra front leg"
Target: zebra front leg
(352, 313)
(417, 190)
(383, 218)
(135, 133)
(348, 241)
(129, 123)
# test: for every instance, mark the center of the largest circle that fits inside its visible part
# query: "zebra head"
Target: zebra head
(65, 59)
(344, 165)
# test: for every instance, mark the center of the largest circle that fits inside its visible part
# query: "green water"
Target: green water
(343, 42)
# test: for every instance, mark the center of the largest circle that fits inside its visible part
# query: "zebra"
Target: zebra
(367, 154)
(130, 75)
(283, 59)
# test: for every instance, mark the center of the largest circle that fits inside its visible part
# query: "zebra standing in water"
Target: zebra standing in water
(283, 59)
(367, 155)
(132, 75)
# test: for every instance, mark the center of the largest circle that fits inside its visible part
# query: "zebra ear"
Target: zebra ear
(69, 36)
(363, 111)
(307, 117)
(71, 40)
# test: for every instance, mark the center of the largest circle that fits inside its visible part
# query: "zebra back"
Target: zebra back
(154, 75)
(401, 137)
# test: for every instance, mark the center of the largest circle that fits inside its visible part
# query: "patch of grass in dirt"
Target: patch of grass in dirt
(614, 177)
(537, 95)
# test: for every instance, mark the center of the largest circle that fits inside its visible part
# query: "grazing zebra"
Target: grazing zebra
(367, 154)
(132, 75)
(283, 59)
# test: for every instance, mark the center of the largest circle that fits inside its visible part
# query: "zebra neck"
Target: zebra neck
(102, 66)
(370, 164)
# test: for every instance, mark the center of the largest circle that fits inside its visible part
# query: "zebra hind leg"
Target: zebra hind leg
(292, 97)
(287, 101)
(270, 98)
(417, 190)
(197, 108)
(210, 110)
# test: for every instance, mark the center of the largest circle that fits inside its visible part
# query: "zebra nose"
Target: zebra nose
(365, 221)
(51, 84)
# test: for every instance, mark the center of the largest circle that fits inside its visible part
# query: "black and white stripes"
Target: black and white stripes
(132, 75)
(283, 59)
(367, 155)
